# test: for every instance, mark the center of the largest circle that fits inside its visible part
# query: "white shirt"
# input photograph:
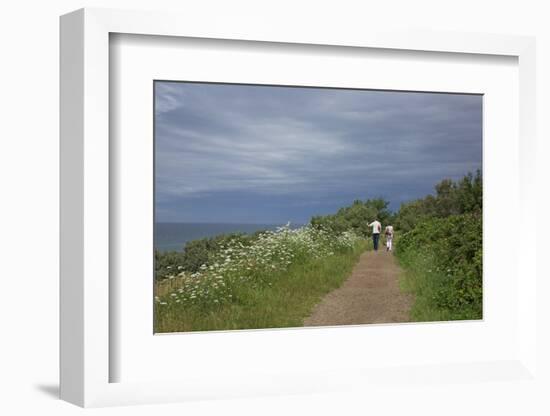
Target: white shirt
(389, 229)
(376, 227)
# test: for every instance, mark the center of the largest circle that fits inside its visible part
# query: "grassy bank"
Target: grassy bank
(442, 259)
(273, 283)
(426, 283)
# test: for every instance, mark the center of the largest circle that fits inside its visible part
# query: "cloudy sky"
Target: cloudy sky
(261, 154)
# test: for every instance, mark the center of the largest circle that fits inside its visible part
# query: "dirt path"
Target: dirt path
(370, 295)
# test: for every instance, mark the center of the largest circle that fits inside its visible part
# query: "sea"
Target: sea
(172, 236)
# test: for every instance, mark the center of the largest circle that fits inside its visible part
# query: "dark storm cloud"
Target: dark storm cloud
(230, 153)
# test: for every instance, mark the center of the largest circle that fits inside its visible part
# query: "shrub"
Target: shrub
(445, 258)
(195, 254)
(355, 217)
(451, 198)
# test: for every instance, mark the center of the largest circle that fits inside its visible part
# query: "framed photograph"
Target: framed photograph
(279, 206)
(273, 212)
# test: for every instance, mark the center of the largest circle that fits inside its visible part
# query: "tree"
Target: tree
(355, 217)
(451, 198)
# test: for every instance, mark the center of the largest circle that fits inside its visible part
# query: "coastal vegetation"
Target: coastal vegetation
(440, 248)
(274, 278)
(271, 279)
(356, 217)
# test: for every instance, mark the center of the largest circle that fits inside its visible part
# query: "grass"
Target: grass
(424, 281)
(285, 302)
(419, 282)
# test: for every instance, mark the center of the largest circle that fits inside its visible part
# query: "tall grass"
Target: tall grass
(425, 282)
(272, 283)
(442, 258)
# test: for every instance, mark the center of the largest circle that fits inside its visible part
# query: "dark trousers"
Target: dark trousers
(375, 238)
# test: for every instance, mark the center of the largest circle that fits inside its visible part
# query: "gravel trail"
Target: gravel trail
(371, 295)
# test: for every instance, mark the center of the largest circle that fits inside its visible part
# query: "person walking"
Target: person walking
(376, 228)
(389, 237)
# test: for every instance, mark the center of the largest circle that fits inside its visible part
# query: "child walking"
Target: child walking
(389, 237)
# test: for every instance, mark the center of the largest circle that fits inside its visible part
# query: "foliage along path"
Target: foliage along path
(371, 295)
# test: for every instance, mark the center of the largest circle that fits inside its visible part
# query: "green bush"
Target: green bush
(195, 254)
(443, 257)
(451, 198)
(355, 217)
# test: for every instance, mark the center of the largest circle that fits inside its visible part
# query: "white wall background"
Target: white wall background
(29, 206)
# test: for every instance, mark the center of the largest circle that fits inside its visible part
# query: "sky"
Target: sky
(228, 153)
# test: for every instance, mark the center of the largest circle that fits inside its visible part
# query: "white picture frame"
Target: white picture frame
(85, 352)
